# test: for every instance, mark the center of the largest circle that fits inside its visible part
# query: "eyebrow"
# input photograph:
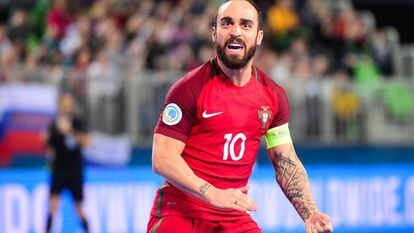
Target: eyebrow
(246, 21)
(226, 19)
(229, 19)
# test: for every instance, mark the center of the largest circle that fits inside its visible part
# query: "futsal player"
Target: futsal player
(207, 138)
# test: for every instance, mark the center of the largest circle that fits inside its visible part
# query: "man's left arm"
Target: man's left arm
(293, 180)
(80, 132)
(83, 138)
(289, 171)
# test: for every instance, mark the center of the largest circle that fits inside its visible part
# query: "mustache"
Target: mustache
(235, 39)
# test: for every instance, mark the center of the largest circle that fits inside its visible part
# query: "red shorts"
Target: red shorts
(180, 224)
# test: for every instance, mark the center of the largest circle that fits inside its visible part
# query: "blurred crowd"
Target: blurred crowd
(306, 41)
(97, 35)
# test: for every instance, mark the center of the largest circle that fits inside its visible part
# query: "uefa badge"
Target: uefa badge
(264, 115)
(172, 114)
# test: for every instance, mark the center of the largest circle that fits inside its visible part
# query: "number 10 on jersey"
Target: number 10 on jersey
(229, 146)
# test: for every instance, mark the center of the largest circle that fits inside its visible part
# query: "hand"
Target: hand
(231, 199)
(64, 125)
(318, 223)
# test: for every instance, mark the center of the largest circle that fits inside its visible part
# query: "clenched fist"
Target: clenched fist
(318, 223)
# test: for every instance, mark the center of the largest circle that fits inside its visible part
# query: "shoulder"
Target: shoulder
(194, 81)
(279, 96)
(267, 82)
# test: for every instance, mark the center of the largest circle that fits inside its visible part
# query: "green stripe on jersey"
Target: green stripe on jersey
(159, 203)
(155, 229)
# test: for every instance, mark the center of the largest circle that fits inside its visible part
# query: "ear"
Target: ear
(213, 34)
(259, 38)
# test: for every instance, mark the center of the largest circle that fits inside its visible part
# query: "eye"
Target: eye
(247, 25)
(225, 23)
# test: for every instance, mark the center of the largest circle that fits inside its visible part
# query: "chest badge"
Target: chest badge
(264, 115)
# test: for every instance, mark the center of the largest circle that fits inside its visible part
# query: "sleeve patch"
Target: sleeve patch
(172, 114)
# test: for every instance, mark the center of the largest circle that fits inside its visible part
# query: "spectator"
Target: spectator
(282, 69)
(79, 79)
(346, 107)
(5, 44)
(350, 37)
(316, 16)
(299, 48)
(4, 12)
(19, 28)
(381, 50)
(77, 35)
(313, 95)
(282, 21)
(105, 85)
(282, 17)
(51, 43)
(58, 18)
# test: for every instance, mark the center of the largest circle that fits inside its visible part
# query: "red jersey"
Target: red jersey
(221, 125)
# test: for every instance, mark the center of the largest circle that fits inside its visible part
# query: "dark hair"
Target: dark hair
(65, 93)
(259, 13)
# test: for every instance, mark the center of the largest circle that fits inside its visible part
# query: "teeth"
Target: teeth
(235, 45)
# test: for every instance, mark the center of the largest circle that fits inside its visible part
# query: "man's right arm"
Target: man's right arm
(48, 140)
(167, 162)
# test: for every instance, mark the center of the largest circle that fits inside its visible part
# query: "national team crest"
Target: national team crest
(264, 114)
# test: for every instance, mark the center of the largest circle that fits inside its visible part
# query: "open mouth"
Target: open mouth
(235, 46)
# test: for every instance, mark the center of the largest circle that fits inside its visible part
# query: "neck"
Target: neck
(61, 114)
(239, 77)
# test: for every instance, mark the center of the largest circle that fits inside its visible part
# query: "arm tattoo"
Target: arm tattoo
(292, 178)
(204, 187)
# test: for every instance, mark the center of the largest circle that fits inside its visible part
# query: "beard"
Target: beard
(233, 61)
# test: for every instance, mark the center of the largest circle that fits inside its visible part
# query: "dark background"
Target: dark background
(396, 13)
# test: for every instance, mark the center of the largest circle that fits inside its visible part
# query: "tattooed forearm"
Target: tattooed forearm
(204, 187)
(292, 178)
(290, 196)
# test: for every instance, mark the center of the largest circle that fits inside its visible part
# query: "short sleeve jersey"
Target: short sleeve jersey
(68, 152)
(221, 125)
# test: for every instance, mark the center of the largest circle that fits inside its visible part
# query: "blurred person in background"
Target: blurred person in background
(5, 51)
(19, 27)
(382, 52)
(125, 30)
(59, 18)
(282, 17)
(207, 139)
(313, 95)
(66, 137)
(346, 106)
(282, 20)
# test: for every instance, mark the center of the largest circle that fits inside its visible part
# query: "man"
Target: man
(208, 136)
(67, 134)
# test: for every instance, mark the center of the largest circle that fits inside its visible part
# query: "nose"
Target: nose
(236, 31)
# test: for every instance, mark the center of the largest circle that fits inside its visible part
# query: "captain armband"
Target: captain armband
(277, 136)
